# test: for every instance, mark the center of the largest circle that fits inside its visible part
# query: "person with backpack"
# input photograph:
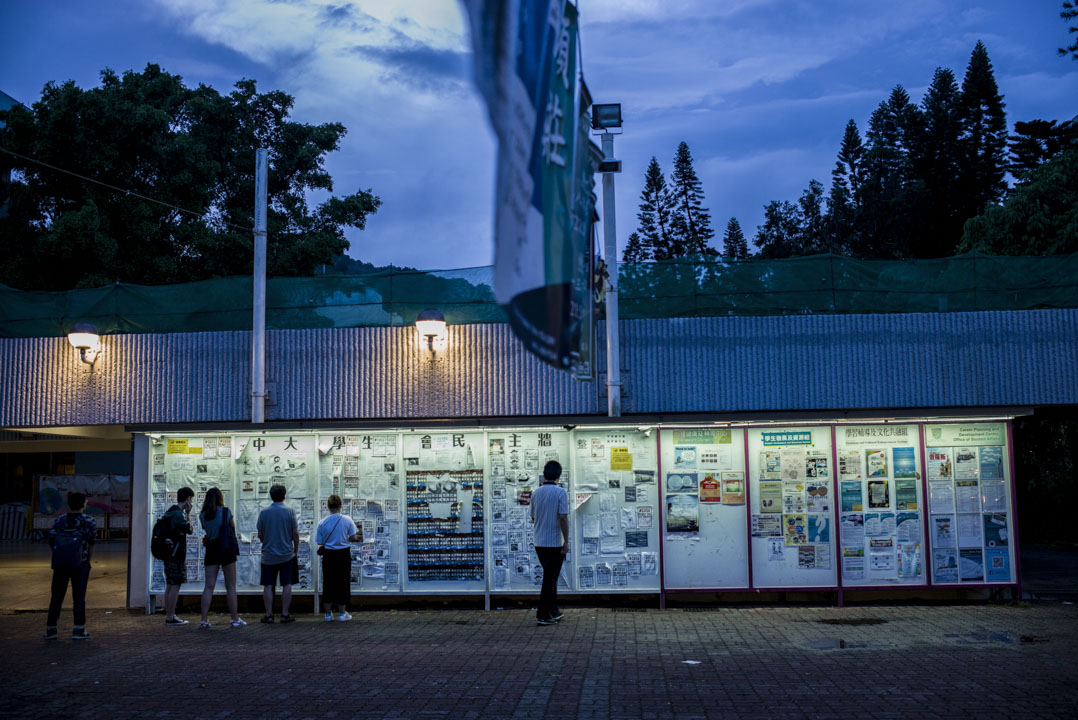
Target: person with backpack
(176, 526)
(333, 536)
(72, 541)
(222, 548)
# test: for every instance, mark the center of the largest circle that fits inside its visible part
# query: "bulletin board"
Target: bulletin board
(971, 523)
(445, 521)
(366, 472)
(614, 510)
(516, 458)
(792, 516)
(881, 508)
(243, 468)
(705, 529)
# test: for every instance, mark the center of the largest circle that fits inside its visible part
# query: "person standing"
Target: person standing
(72, 542)
(279, 533)
(179, 517)
(220, 526)
(550, 521)
(334, 534)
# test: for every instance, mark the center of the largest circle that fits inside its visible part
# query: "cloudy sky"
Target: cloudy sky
(760, 89)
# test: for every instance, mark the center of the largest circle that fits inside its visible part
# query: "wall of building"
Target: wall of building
(736, 364)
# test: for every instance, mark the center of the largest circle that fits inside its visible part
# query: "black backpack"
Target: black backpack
(68, 546)
(162, 543)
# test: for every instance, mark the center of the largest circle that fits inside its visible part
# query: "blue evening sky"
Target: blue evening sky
(760, 89)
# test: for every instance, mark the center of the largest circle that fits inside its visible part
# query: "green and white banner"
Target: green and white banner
(526, 64)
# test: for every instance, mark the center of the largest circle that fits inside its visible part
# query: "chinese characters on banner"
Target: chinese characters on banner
(527, 71)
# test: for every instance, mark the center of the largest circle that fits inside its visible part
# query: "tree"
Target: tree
(691, 221)
(192, 148)
(936, 166)
(843, 200)
(889, 191)
(1037, 141)
(791, 230)
(734, 244)
(655, 214)
(1070, 12)
(635, 252)
(983, 142)
(1040, 217)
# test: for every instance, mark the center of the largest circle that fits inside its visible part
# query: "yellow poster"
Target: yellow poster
(620, 459)
(177, 446)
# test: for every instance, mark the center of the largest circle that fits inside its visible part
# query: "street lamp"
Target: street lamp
(430, 324)
(83, 337)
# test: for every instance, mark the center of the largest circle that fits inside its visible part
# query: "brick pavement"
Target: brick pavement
(773, 662)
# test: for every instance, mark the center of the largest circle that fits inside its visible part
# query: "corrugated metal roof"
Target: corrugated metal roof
(783, 363)
(852, 361)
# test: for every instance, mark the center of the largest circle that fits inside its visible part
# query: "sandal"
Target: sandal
(204, 624)
(268, 619)
(287, 619)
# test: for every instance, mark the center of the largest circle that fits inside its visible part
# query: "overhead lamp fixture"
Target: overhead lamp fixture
(431, 327)
(84, 338)
(606, 117)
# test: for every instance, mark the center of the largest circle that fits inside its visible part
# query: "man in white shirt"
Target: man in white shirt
(550, 521)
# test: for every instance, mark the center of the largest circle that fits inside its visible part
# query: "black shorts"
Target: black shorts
(214, 556)
(285, 570)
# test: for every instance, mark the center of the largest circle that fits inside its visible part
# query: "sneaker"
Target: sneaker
(50, 633)
(343, 617)
(239, 622)
(268, 619)
(556, 617)
(175, 621)
(543, 621)
(204, 624)
(80, 634)
(287, 619)
(329, 617)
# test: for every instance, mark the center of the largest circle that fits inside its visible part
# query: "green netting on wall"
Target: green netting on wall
(700, 287)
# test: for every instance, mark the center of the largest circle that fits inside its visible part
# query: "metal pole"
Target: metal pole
(610, 252)
(258, 333)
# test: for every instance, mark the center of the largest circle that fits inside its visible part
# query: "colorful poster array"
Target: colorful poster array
(969, 503)
(880, 520)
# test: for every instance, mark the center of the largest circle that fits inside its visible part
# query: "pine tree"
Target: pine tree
(635, 252)
(888, 198)
(734, 244)
(936, 165)
(656, 215)
(1037, 141)
(983, 142)
(691, 221)
(1070, 12)
(844, 197)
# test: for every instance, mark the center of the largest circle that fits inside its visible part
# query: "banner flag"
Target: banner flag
(526, 66)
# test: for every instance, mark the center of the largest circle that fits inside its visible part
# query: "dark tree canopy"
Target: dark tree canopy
(192, 148)
(656, 215)
(1070, 12)
(734, 244)
(1040, 217)
(691, 221)
(983, 142)
(1037, 141)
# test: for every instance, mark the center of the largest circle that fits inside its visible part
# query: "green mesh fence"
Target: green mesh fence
(699, 287)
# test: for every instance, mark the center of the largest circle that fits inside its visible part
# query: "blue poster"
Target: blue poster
(991, 463)
(998, 565)
(905, 465)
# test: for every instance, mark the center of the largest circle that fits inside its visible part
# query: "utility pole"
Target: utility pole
(258, 327)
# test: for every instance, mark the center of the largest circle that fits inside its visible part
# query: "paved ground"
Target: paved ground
(875, 661)
(917, 662)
